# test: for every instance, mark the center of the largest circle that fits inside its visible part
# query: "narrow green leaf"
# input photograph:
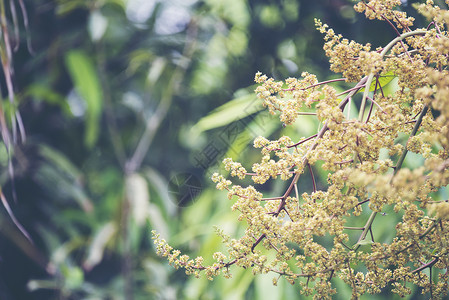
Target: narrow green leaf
(61, 176)
(365, 242)
(87, 84)
(138, 196)
(60, 161)
(43, 93)
(262, 124)
(73, 277)
(265, 288)
(233, 110)
(98, 245)
(68, 6)
(383, 81)
(159, 185)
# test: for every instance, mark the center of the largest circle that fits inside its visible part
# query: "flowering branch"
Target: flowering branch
(358, 157)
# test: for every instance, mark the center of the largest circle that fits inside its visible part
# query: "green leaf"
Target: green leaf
(59, 160)
(59, 175)
(41, 92)
(138, 196)
(238, 287)
(98, 245)
(87, 84)
(65, 7)
(262, 124)
(265, 289)
(365, 245)
(74, 277)
(3, 157)
(365, 242)
(159, 185)
(229, 112)
(383, 80)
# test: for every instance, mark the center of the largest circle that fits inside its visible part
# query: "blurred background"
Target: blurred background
(128, 107)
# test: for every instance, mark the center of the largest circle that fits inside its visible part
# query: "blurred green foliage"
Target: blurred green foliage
(109, 93)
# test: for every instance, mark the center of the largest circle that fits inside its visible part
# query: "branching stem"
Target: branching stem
(383, 53)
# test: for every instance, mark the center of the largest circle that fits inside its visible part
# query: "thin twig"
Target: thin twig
(313, 178)
(316, 84)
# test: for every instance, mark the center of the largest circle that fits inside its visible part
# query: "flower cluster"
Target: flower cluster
(312, 234)
(385, 10)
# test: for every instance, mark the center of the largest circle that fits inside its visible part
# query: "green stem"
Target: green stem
(319, 135)
(365, 95)
(365, 230)
(370, 221)
(415, 129)
(383, 53)
(362, 110)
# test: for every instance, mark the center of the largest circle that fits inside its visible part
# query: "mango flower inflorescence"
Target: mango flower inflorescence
(364, 159)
